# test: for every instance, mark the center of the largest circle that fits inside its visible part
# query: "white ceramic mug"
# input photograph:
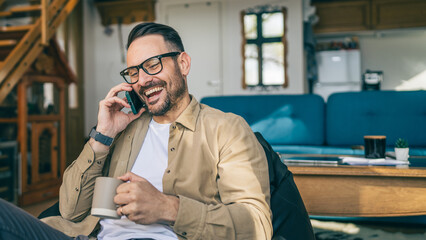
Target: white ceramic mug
(103, 205)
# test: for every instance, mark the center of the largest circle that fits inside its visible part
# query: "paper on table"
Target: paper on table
(378, 161)
(311, 161)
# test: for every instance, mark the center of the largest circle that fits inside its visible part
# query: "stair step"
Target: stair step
(5, 14)
(28, 8)
(12, 35)
(7, 43)
(16, 28)
(4, 52)
(20, 10)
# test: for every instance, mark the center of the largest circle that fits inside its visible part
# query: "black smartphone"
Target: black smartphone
(134, 101)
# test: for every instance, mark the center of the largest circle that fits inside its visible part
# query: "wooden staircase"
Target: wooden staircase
(20, 45)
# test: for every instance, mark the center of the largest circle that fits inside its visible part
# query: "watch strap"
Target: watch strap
(99, 137)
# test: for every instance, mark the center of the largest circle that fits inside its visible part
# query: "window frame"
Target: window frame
(259, 40)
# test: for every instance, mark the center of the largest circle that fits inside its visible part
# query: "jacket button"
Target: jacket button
(184, 233)
(172, 149)
(89, 161)
(174, 127)
(168, 171)
(76, 189)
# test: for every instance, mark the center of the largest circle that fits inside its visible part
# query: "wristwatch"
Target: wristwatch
(99, 137)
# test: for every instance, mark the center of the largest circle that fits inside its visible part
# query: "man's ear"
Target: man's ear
(184, 62)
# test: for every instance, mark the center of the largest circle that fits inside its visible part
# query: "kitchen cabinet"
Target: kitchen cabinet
(360, 15)
(125, 11)
(387, 14)
(343, 16)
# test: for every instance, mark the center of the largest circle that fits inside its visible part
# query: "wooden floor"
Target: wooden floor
(36, 209)
(329, 230)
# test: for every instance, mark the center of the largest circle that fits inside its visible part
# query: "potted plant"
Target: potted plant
(401, 149)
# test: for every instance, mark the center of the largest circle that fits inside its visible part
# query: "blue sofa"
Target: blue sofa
(305, 124)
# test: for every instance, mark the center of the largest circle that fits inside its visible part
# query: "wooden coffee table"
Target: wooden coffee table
(362, 191)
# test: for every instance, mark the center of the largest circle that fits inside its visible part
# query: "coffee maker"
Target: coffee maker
(371, 80)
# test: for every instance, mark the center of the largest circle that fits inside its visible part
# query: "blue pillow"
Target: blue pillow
(281, 127)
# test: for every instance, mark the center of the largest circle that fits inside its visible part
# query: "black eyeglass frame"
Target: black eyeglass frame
(140, 66)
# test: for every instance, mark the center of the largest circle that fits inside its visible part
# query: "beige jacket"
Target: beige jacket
(215, 165)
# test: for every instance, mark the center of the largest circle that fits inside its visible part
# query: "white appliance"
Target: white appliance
(338, 71)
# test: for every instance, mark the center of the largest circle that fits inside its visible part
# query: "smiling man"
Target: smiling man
(191, 171)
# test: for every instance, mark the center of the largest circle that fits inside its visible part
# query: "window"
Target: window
(264, 47)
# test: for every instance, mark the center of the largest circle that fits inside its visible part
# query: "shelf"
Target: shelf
(50, 117)
(319, 84)
(5, 174)
(4, 189)
(33, 118)
(4, 169)
(8, 120)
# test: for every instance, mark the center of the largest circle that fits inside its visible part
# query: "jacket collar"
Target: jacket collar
(188, 118)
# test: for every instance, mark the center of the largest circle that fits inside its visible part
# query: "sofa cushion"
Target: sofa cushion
(281, 119)
(333, 150)
(285, 129)
(309, 149)
(394, 114)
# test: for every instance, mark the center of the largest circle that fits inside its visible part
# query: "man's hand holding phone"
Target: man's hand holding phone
(134, 101)
(111, 120)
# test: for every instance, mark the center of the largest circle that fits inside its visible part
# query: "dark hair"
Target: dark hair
(171, 37)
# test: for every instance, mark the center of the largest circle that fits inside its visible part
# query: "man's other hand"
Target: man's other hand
(142, 203)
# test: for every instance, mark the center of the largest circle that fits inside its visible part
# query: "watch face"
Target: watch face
(92, 133)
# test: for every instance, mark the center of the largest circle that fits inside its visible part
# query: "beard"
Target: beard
(175, 90)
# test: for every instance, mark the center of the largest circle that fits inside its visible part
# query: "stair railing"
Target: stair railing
(33, 42)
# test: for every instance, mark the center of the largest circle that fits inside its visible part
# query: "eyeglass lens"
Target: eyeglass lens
(151, 66)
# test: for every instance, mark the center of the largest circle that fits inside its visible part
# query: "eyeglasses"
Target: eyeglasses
(151, 66)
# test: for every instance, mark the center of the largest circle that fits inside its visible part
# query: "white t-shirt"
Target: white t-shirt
(150, 164)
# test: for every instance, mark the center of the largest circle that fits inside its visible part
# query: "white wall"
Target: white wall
(102, 60)
(231, 42)
(400, 54)
(232, 46)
